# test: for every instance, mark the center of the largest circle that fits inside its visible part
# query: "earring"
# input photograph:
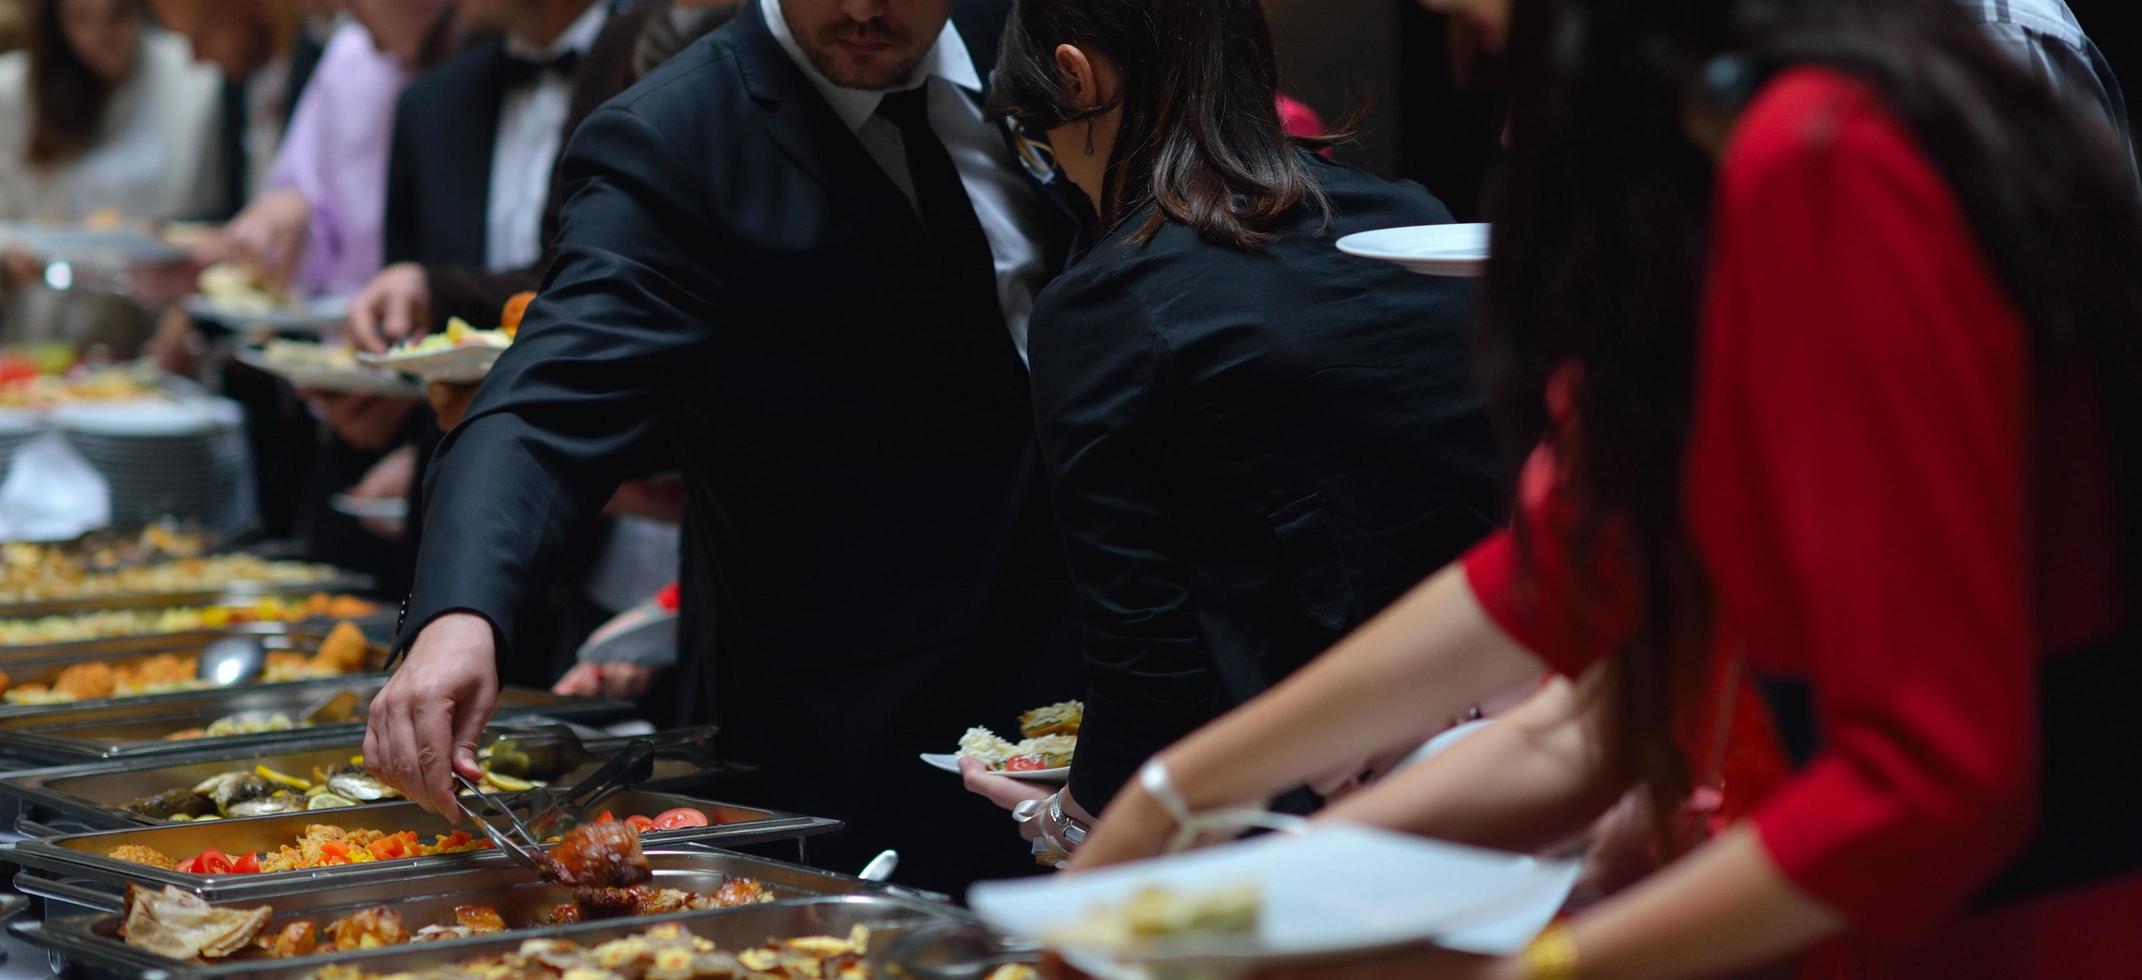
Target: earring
(1089, 137)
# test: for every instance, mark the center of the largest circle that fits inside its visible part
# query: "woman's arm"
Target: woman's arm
(1419, 663)
(1535, 776)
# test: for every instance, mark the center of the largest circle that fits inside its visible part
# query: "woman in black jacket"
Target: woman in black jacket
(1256, 442)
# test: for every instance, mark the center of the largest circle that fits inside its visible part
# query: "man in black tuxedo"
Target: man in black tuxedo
(800, 256)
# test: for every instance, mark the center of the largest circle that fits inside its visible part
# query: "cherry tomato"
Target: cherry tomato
(604, 817)
(247, 864)
(640, 822)
(212, 862)
(1025, 763)
(679, 818)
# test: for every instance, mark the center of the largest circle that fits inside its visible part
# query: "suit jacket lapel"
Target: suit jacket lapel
(981, 25)
(468, 137)
(814, 138)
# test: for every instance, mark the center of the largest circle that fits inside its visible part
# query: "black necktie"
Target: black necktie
(968, 267)
(519, 70)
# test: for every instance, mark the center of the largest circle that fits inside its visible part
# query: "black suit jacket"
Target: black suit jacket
(1252, 452)
(439, 163)
(871, 565)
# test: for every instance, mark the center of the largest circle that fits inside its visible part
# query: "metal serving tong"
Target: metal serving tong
(525, 850)
(633, 764)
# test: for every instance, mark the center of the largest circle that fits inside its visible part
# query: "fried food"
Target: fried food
(604, 854)
(108, 623)
(1061, 718)
(180, 925)
(368, 929)
(1155, 914)
(299, 938)
(83, 682)
(50, 574)
(668, 951)
(144, 854)
(343, 652)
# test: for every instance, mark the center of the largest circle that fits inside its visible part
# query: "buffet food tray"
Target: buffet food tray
(86, 857)
(90, 944)
(273, 635)
(42, 665)
(93, 796)
(135, 727)
(222, 592)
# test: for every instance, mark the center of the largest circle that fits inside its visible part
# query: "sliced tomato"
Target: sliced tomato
(640, 822)
(247, 864)
(604, 817)
(212, 862)
(679, 818)
(190, 866)
(1026, 763)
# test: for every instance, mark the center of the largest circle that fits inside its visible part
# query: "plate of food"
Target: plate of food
(105, 235)
(1430, 250)
(1047, 737)
(326, 367)
(1334, 891)
(460, 355)
(237, 297)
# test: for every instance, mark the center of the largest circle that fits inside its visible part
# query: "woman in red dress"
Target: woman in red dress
(1827, 323)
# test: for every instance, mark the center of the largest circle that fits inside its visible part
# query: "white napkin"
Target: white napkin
(51, 493)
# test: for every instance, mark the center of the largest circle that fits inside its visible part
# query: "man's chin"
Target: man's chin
(871, 73)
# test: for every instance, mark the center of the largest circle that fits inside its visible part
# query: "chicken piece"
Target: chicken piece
(599, 855)
(349, 607)
(609, 903)
(564, 914)
(300, 938)
(343, 651)
(742, 891)
(479, 918)
(84, 682)
(3, 682)
(144, 854)
(368, 928)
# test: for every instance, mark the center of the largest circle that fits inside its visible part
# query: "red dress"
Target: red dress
(1895, 509)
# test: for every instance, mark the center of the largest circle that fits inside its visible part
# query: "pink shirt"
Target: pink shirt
(336, 156)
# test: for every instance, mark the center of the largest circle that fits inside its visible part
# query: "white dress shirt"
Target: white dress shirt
(1004, 201)
(531, 123)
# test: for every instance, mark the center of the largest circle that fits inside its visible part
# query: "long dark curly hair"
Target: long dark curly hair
(1601, 212)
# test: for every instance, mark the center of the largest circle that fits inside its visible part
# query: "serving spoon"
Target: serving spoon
(230, 661)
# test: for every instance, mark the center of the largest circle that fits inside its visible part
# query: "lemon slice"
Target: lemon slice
(507, 783)
(284, 778)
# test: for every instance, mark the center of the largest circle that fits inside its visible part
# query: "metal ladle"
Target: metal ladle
(231, 661)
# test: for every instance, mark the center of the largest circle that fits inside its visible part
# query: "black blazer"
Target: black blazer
(439, 163)
(870, 564)
(1251, 452)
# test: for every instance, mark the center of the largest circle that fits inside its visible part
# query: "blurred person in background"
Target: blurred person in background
(1823, 322)
(14, 25)
(1248, 455)
(254, 45)
(106, 116)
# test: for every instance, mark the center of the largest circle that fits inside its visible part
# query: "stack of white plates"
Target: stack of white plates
(185, 459)
(16, 428)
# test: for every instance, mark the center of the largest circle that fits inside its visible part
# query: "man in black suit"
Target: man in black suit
(800, 255)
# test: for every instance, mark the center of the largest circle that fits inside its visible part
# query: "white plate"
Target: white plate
(466, 364)
(79, 245)
(377, 508)
(312, 316)
(148, 417)
(1335, 891)
(949, 762)
(1431, 250)
(358, 380)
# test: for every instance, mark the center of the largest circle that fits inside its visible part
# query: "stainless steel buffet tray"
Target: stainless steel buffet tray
(378, 627)
(338, 582)
(93, 796)
(128, 728)
(86, 857)
(91, 944)
(42, 665)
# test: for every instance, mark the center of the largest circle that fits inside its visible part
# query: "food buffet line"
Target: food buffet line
(169, 820)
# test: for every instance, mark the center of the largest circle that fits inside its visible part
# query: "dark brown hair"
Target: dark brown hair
(1601, 213)
(1201, 136)
(67, 97)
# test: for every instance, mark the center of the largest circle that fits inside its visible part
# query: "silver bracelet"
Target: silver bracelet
(1158, 784)
(1074, 833)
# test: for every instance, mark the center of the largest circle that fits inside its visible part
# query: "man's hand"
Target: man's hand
(425, 723)
(366, 422)
(271, 233)
(449, 402)
(625, 682)
(388, 479)
(393, 307)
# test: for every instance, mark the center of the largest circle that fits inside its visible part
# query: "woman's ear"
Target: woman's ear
(1078, 78)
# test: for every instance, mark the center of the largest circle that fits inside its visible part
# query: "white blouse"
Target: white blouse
(156, 157)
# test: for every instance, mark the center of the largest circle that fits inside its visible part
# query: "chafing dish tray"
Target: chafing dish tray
(42, 665)
(92, 944)
(93, 796)
(340, 581)
(135, 727)
(87, 856)
(377, 625)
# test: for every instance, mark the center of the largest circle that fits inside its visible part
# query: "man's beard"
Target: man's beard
(831, 61)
